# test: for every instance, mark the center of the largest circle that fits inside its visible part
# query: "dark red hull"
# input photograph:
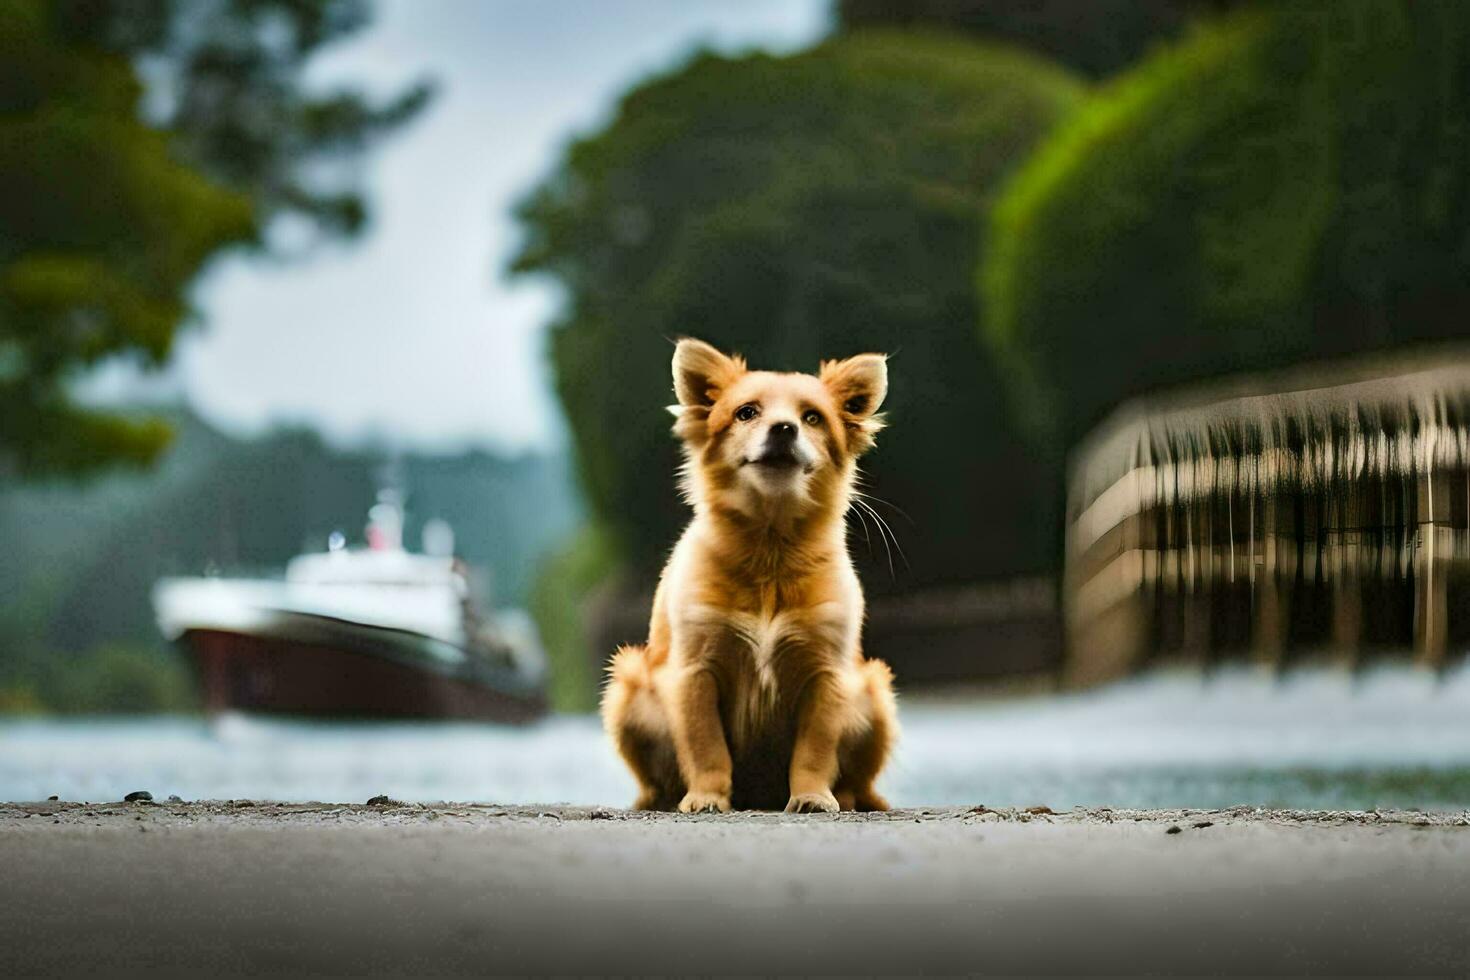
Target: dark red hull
(240, 672)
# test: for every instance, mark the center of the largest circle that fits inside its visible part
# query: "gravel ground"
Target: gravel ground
(349, 889)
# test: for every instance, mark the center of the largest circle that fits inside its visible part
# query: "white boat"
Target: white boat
(377, 631)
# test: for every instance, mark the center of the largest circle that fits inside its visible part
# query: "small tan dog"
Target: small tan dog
(752, 690)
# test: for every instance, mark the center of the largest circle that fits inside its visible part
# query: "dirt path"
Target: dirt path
(351, 889)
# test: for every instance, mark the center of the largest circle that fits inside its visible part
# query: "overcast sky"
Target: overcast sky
(411, 334)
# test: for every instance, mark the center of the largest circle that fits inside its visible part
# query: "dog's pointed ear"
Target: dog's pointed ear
(858, 386)
(701, 373)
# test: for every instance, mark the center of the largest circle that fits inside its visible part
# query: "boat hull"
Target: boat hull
(279, 674)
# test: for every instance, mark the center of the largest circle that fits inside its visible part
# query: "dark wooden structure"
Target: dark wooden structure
(1319, 513)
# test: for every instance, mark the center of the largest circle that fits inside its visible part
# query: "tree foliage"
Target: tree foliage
(226, 80)
(793, 209)
(115, 193)
(1290, 182)
(1097, 37)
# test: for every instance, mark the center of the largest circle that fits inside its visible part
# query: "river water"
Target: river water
(1391, 737)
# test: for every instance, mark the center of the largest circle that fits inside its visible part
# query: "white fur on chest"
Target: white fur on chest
(824, 631)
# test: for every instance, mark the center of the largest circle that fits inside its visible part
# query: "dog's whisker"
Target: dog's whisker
(891, 535)
(871, 498)
(867, 538)
(884, 533)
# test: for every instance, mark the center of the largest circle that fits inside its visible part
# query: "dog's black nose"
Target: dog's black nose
(782, 433)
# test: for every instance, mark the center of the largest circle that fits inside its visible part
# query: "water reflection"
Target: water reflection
(1320, 515)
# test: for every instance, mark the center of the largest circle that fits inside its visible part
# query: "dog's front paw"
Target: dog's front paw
(823, 802)
(696, 802)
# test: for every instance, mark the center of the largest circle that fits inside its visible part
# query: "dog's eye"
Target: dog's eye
(747, 412)
(812, 418)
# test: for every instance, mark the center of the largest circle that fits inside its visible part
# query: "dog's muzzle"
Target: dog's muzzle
(780, 449)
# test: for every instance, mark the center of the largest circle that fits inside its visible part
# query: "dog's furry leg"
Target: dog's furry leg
(699, 737)
(864, 754)
(634, 719)
(819, 724)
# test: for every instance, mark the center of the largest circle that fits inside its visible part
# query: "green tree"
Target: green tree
(115, 193)
(1291, 182)
(1096, 37)
(796, 208)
